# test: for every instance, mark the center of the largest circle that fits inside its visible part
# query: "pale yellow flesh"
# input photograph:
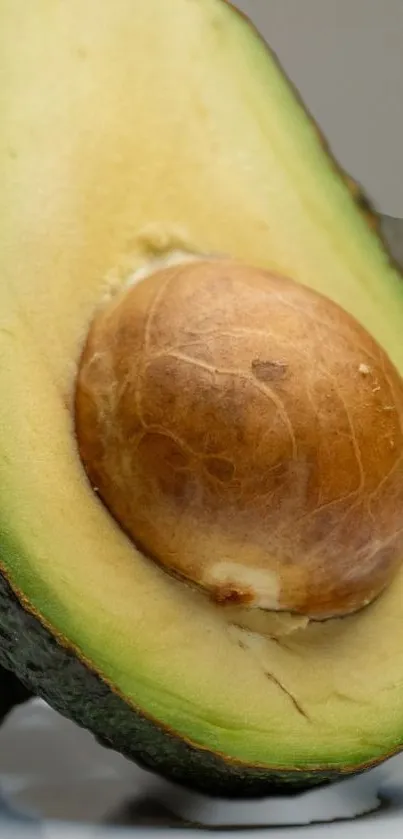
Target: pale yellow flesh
(126, 128)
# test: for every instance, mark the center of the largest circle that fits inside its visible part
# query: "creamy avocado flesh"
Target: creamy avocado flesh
(128, 130)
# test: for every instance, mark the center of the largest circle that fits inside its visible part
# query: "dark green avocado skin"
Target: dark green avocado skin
(51, 671)
(12, 692)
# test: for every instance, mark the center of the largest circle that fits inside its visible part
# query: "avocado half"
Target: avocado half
(131, 129)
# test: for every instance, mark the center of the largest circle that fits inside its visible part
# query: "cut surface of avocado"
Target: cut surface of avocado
(129, 130)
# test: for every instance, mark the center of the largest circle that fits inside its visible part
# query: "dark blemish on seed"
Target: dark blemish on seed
(231, 594)
(269, 371)
(220, 468)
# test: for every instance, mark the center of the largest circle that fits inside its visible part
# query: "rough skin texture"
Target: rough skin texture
(55, 674)
(12, 692)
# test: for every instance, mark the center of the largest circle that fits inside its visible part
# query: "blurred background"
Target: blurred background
(346, 58)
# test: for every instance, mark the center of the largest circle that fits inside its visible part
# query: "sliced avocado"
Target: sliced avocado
(131, 129)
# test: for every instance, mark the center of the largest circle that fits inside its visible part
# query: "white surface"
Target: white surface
(53, 771)
(346, 58)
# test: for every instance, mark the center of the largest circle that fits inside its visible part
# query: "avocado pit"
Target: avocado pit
(224, 417)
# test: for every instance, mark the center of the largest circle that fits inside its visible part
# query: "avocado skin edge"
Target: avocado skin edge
(54, 673)
(12, 692)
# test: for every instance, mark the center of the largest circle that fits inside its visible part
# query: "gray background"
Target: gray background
(346, 57)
